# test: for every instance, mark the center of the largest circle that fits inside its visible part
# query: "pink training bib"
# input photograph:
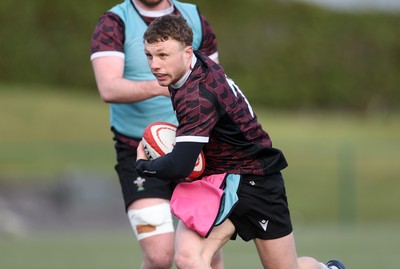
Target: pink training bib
(199, 204)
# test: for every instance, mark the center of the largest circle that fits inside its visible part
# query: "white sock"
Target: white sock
(324, 266)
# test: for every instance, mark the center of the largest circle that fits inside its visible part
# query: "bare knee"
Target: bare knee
(183, 262)
(186, 260)
(158, 260)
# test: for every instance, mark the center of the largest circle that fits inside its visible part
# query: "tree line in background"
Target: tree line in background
(282, 54)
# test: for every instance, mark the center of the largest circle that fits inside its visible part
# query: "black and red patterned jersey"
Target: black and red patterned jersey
(211, 109)
(109, 35)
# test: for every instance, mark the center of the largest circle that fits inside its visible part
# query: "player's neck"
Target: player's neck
(162, 6)
(182, 80)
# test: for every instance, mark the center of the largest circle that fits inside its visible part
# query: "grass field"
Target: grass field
(364, 246)
(343, 169)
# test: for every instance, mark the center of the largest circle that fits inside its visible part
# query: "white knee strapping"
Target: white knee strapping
(151, 220)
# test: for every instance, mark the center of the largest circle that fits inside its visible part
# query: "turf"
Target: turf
(364, 246)
(343, 170)
(343, 165)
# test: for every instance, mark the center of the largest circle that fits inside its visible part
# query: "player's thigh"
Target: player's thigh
(278, 253)
(218, 237)
(189, 243)
(146, 202)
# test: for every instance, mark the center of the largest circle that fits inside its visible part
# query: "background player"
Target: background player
(125, 81)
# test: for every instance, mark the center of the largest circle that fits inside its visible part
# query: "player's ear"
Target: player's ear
(188, 51)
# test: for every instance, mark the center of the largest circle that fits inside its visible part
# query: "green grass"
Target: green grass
(364, 246)
(332, 157)
(46, 131)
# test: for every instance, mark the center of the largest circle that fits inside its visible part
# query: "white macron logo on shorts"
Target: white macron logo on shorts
(264, 224)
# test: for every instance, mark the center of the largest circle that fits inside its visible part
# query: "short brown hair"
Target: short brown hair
(169, 27)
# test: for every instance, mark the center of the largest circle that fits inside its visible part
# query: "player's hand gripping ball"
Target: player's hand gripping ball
(159, 139)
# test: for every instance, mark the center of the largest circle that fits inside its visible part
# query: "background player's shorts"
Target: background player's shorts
(262, 211)
(133, 186)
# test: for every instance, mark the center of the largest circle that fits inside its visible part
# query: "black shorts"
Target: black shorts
(133, 186)
(262, 211)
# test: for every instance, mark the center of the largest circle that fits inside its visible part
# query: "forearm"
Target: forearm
(121, 90)
(114, 88)
(175, 165)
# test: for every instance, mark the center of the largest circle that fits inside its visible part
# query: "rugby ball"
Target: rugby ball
(159, 139)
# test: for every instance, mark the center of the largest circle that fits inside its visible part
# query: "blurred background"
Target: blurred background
(324, 79)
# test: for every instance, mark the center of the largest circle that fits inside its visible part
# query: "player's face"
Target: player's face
(168, 60)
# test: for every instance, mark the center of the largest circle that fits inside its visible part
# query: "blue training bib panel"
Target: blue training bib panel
(131, 119)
